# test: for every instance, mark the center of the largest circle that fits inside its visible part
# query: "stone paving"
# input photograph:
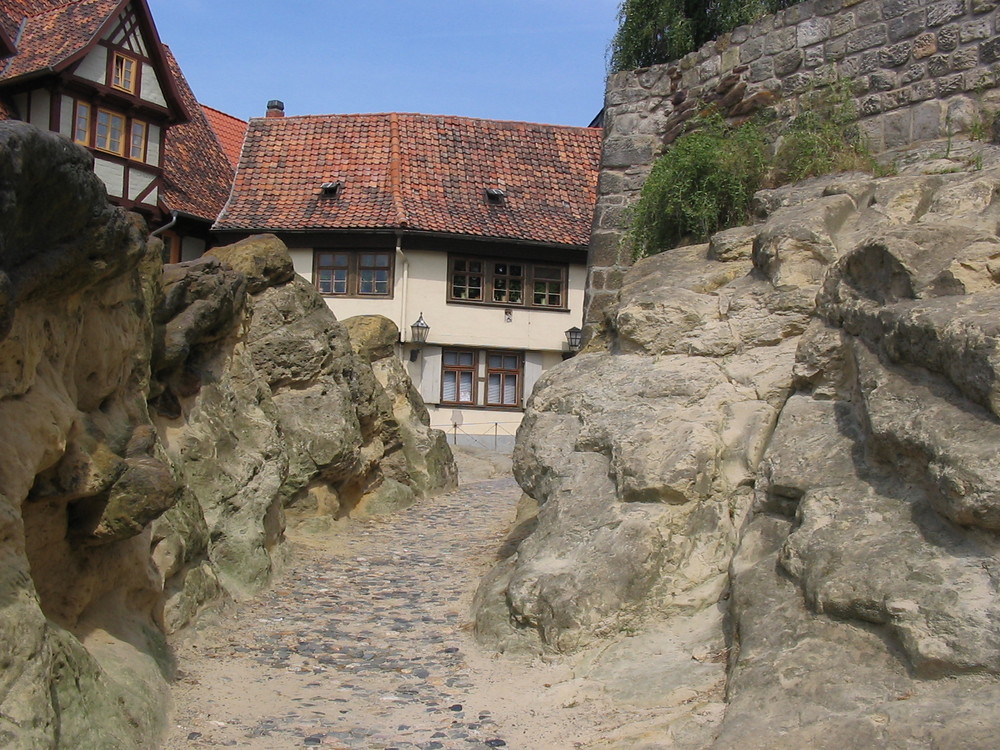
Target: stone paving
(362, 644)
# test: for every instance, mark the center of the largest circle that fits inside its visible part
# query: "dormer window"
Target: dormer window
(332, 189)
(123, 72)
(495, 196)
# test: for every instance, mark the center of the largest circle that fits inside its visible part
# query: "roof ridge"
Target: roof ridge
(395, 171)
(465, 118)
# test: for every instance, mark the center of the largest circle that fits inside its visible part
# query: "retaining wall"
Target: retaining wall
(920, 70)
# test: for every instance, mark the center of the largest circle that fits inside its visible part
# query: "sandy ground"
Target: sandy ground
(366, 642)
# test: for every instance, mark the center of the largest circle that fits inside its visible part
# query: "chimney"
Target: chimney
(275, 108)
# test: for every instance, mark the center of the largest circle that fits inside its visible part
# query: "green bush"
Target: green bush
(823, 139)
(658, 31)
(704, 182)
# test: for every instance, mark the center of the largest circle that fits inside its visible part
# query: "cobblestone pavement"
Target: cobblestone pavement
(366, 643)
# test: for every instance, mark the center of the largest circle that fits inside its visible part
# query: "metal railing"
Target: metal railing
(499, 430)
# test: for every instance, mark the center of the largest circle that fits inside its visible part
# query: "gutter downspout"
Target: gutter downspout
(174, 216)
(401, 321)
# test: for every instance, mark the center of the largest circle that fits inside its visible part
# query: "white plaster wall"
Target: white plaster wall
(94, 67)
(153, 145)
(66, 116)
(191, 248)
(112, 174)
(41, 107)
(150, 89)
(21, 103)
(456, 324)
(138, 180)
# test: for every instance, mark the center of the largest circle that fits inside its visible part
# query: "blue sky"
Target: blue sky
(534, 60)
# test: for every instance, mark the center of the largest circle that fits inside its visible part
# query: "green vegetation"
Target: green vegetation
(658, 31)
(707, 179)
(704, 182)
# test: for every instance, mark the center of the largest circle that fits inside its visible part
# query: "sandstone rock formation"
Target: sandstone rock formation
(154, 423)
(775, 467)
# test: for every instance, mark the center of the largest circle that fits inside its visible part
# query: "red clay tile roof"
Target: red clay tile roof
(423, 173)
(197, 175)
(52, 34)
(229, 130)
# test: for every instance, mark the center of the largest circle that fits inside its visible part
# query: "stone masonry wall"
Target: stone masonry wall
(921, 69)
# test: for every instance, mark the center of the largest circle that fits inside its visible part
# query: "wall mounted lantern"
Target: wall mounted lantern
(419, 331)
(574, 336)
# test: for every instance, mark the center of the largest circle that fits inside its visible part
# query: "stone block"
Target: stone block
(897, 127)
(761, 70)
(869, 62)
(983, 6)
(882, 80)
(709, 69)
(947, 38)
(868, 12)
(649, 77)
(895, 55)
(870, 105)
(938, 65)
(975, 80)
(989, 52)
(730, 59)
(927, 121)
(841, 24)
(787, 62)
(836, 49)
(923, 90)
(828, 7)
(740, 34)
(813, 56)
(624, 152)
(906, 26)
(813, 31)
(895, 99)
(912, 73)
(605, 249)
(866, 38)
(896, 8)
(939, 14)
(796, 83)
(871, 131)
(610, 183)
(973, 30)
(964, 59)
(610, 217)
(779, 41)
(950, 85)
(924, 45)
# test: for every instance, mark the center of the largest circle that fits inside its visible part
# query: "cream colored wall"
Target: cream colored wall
(94, 67)
(456, 324)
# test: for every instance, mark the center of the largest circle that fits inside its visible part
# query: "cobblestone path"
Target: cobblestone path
(366, 643)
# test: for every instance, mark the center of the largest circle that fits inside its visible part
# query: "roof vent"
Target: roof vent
(275, 108)
(332, 189)
(495, 196)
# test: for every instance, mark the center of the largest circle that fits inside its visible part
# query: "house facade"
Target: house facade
(478, 228)
(96, 72)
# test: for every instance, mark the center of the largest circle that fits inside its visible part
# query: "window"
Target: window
(110, 134)
(458, 376)
(123, 70)
(81, 123)
(502, 282)
(354, 273)
(503, 379)
(137, 145)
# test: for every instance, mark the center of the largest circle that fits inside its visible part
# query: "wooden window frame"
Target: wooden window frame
(488, 276)
(88, 129)
(504, 373)
(144, 142)
(354, 277)
(473, 369)
(122, 136)
(131, 85)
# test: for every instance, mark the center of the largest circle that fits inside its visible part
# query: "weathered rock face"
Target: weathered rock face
(82, 472)
(796, 424)
(154, 421)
